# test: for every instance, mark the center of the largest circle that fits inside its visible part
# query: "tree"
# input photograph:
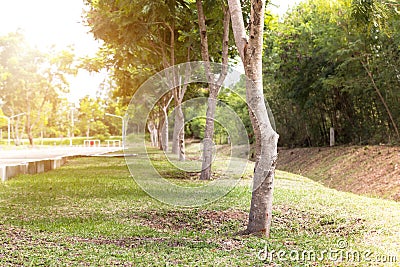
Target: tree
(31, 80)
(214, 85)
(91, 117)
(250, 51)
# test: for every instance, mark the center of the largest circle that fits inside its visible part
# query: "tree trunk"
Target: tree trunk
(30, 137)
(13, 131)
(178, 146)
(181, 135)
(178, 142)
(179, 118)
(208, 139)
(163, 131)
(17, 134)
(164, 134)
(213, 86)
(29, 126)
(152, 127)
(175, 137)
(159, 125)
(250, 50)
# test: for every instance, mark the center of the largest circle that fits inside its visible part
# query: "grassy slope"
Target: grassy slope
(90, 212)
(368, 170)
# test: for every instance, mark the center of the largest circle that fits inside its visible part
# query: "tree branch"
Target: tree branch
(225, 46)
(204, 39)
(239, 31)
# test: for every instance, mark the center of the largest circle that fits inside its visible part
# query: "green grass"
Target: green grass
(91, 213)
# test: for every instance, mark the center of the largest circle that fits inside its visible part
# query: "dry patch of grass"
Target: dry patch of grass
(366, 170)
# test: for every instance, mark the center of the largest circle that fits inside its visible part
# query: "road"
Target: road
(33, 154)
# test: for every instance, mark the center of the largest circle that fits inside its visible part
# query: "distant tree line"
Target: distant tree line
(34, 84)
(335, 64)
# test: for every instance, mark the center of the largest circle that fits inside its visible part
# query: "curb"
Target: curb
(32, 167)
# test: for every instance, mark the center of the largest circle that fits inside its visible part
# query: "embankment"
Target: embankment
(367, 170)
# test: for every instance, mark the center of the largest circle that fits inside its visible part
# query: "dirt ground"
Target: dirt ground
(366, 170)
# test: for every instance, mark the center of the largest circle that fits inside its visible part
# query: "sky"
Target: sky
(281, 6)
(54, 22)
(58, 22)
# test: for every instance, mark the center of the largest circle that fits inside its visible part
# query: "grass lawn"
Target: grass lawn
(91, 213)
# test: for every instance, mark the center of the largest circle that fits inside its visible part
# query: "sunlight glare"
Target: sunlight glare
(54, 22)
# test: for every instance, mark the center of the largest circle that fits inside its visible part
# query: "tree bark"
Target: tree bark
(178, 135)
(213, 86)
(164, 139)
(164, 132)
(176, 92)
(179, 122)
(17, 133)
(175, 137)
(208, 143)
(178, 144)
(151, 126)
(250, 51)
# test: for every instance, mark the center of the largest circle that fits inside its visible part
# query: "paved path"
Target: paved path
(33, 154)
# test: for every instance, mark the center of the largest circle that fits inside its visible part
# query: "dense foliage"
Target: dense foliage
(335, 64)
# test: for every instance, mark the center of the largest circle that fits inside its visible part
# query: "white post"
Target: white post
(332, 137)
(9, 129)
(123, 133)
(9, 125)
(72, 122)
(71, 131)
